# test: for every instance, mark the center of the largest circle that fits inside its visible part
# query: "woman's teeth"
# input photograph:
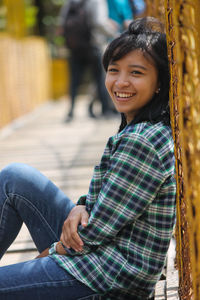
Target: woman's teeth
(124, 95)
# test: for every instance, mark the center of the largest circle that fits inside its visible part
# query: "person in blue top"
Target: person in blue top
(122, 12)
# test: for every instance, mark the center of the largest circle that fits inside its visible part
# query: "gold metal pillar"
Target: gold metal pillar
(15, 17)
(183, 30)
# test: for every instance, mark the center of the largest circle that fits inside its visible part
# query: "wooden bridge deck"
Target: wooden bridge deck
(66, 153)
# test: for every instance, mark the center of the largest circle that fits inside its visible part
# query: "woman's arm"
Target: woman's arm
(128, 187)
(69, 237)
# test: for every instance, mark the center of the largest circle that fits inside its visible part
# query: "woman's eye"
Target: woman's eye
(112, 70)
(135, 72)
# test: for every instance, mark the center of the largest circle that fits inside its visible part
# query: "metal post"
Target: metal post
(16, 25)
(182, 27)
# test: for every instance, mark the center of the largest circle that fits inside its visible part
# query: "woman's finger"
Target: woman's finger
(70, 236)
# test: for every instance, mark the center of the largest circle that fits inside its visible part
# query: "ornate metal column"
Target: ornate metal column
(183, 30)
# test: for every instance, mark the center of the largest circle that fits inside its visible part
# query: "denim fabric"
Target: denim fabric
(28, 196)
(40, 279)
(92, 297)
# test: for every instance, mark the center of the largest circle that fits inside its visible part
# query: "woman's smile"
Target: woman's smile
(121, 96)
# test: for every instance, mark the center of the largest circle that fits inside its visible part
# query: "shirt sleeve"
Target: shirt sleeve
(128, 187)
(81, 200)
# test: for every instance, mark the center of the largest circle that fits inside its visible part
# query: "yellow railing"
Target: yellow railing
(60, 77)
(25, 66)
(15, 17)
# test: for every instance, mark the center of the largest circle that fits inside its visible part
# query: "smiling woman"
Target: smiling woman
(146, 39)
(114, 242)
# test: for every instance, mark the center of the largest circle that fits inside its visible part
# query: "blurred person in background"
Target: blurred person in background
(92, 37)
(122, 12)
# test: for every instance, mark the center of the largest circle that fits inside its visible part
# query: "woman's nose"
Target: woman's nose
(122, 81)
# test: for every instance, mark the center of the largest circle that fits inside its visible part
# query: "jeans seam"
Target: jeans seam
(90, 297)
(3, 208)
(52, 284)
(33, 208)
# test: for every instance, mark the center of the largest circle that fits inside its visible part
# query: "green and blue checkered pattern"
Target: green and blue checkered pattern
(131, 202)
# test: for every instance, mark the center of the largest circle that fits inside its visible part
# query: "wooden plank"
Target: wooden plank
(172, 273)
(13, 258)
(160, 290)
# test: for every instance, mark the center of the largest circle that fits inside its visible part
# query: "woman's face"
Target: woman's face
(131, 82)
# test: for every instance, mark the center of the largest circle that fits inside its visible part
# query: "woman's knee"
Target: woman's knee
(18, 178)
(14, 171)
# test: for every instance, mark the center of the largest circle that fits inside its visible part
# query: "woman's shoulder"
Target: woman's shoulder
(158, 135)
(148, 130)
(153, 134)
(152, 139)
(158, 139)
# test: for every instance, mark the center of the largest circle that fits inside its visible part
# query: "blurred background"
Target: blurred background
(33, 58)
(32, 64)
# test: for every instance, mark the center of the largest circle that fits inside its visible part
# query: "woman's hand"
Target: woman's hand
(69, 236)
(43, 253)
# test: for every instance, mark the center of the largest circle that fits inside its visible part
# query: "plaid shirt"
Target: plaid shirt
(131, 202)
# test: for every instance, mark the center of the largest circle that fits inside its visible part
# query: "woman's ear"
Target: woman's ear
(158, 90)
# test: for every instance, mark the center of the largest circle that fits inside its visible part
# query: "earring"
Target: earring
(157, 91)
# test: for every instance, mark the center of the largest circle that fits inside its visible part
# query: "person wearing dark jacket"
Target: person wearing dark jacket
(81, 60)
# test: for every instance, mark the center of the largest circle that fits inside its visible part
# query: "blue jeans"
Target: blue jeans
(28, 196)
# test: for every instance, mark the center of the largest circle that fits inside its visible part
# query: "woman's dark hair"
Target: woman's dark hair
(146, 34)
